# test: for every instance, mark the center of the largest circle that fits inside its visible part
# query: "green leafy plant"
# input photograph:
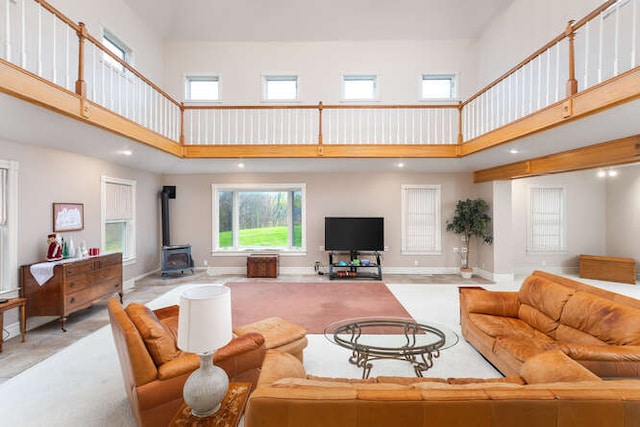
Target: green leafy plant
(470, 219)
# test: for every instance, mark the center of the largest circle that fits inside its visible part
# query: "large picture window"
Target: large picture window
(421, 227)
(259, 217)
(118, 216)
(546, 220)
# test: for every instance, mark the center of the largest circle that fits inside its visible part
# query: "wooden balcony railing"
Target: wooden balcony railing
(38, 38)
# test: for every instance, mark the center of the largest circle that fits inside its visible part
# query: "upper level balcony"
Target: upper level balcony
(588, 72)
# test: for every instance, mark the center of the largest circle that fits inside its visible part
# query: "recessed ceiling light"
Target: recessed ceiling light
(514, 151)
(601, 173)
(400, 165)
(613, 172)
(241, 165)
(125, 152)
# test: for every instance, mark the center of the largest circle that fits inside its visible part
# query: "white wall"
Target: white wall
(586, 213)
(320, 66)
(521, 29)
(46, 176)
(117, 17)
(623, 213)
(336, 194)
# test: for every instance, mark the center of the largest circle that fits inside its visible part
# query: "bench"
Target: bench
(608, 268)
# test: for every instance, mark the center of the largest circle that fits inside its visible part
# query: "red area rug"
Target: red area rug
(311, 305)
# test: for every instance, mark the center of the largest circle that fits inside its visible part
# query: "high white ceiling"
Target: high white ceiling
(298, 20)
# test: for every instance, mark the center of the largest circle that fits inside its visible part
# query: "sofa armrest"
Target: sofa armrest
(185, 364)
(612, 353)
(504, 304)
(165, 312)
(278, 365)
(242, 354)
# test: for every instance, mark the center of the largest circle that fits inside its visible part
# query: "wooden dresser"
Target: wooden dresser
(262, 266)
(75, 285)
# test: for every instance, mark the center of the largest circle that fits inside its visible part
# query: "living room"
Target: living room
(54, 165)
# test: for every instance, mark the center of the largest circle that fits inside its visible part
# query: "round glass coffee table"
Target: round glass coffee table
(374, 338)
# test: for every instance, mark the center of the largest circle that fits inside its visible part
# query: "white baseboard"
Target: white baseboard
(13, 329)
(420, 270)
(527, 270)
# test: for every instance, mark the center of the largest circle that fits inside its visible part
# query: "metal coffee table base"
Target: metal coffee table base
(420, 362)
(416, 343)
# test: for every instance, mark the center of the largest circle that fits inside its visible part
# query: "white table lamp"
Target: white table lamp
(204, 325)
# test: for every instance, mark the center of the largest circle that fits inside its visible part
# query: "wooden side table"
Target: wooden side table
(14, 303)
(228, 415)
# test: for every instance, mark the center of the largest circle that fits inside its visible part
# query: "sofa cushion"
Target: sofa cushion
(570, 334)
(537, 319)
(554, 366)
(159, 341)
(306, 383)
(344, 380)
(523, 349)
(513, 379)
(495, 326)
(606, 320)
(545, 296)
(409, 380)
(278, 365)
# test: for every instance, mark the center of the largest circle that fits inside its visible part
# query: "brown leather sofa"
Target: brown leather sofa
(597, 328)
(552, 391)
(155, 370)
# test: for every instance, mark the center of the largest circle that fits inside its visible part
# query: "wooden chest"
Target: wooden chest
(608, 268)
(75, 285)
(262, 266)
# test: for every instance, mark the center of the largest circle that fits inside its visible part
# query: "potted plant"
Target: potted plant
(470, 219)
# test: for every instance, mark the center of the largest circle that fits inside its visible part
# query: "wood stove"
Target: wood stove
(175, 258)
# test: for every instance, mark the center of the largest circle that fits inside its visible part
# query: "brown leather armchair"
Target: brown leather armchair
(155, 370)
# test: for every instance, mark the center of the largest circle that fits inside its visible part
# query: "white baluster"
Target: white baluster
(616, 41)
(557, 88)
(600, 46)
(634, 32)
(39, 59)
(7, 29)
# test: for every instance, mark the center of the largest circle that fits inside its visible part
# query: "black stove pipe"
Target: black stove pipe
(168, 192)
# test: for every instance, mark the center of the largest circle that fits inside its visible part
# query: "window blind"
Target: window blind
(119, 201)
(3, 196)
(421, 219)
(546, 219)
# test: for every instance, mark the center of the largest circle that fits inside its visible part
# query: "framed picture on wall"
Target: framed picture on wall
(68, 217)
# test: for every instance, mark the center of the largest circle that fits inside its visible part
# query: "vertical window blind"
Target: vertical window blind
(3, 196)
(119, 198)
(546, 229)
(421, 230)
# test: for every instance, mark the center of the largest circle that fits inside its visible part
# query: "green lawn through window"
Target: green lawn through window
(262, 237)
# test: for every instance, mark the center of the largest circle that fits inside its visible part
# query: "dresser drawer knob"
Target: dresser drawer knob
(72, 284)
(72, 300)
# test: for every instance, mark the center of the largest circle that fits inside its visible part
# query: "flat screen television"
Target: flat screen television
(353, 234)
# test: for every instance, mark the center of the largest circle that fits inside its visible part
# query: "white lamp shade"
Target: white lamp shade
(204, 322)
